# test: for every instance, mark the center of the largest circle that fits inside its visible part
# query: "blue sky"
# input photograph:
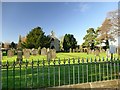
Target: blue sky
(61, 17)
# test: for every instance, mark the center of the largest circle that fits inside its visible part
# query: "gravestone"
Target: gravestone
(53, 53)
(112, 49)
(73, 50)
(19, 55)
(49, 56)
(26, 53)
(77, 49)
(34, 51)
(43, 51)
(10, 53)
(70, 50)
(97, 52)
(107, 53)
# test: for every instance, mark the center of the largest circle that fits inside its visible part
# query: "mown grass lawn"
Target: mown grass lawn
(60, 56)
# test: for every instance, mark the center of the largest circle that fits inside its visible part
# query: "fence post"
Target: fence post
(103, 68)
(43, 71)
(95, 62)
(7, 65)
(73, 71)
(78, 70)
(87, 68)
(32, 72)
(99, 69)
(107, 62)
(64, 70)
(54, 71)
(114, 60)
(20, 62)
(82, 70)
(26, 65)
(0, 74)
(48, 72)
(69, 69)
(111, 67)
(118, 65)
(91, 68)
(14, 74)
(38, 62)
(59, 71)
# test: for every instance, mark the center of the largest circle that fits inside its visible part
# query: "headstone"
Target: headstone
(10, 53)
(19, 55)
(73, 50)
(26, 53)
(70, 50)
(49, 56)
(43, 51)
(97, 52)
(77, 49)
(34, 51)
(112, 49)
(53, 53)
(108, 53)
(89, 51)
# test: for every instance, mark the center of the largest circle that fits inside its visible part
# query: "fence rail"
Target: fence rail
(43, 73)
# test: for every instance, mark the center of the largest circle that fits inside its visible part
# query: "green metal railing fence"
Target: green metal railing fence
(43, 73)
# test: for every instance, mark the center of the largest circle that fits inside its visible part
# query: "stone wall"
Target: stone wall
(98, 84)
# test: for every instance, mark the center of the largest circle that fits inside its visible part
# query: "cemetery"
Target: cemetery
(44, 67)
(50, 67)
(39, 60)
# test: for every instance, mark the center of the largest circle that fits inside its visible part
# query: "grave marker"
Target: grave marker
(26, 53)
(10, 53)
(19, 55)
(43, 51)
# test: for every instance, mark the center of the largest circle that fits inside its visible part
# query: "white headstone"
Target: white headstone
(112, 49)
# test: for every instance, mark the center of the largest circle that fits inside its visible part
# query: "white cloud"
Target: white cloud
(83, 7)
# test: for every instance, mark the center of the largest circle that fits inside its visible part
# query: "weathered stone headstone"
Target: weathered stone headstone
(73, 50)
(19, 55)
(43, 51)
(34, 51)
(77, 49)
(49, 56)
(70, 50)
(97, 52)
(53, 53)
(107, 53)
(26, 53)
(10, 53)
